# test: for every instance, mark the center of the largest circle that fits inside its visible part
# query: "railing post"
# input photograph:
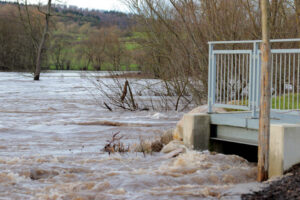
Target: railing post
(251, 74)
(214, 78)
(210, 78)
(254, 83)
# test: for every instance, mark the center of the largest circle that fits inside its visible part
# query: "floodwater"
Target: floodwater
(52, 133)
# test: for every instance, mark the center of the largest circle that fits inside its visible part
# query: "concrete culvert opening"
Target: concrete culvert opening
(249, 152)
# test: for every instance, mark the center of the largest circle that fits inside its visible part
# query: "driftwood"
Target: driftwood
(115, 145)
(107, 106)
(124, 90)
(124, 93)
(131, 97)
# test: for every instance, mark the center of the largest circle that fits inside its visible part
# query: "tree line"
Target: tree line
(70, 43)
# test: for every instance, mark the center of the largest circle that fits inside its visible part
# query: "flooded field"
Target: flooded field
(52, 133)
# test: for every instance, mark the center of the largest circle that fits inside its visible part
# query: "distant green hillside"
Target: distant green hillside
(79, 39)
(96, 18)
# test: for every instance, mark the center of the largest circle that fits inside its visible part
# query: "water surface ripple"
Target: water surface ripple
(52, 133)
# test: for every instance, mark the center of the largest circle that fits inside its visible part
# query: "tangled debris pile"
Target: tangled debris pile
(115, 145)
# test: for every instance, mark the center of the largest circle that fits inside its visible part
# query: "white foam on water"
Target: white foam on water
(51, 148)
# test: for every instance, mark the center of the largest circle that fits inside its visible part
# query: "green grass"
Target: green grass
(52, 67)
(77, 64)
(133, 67)
(139, 34)
(238, 103)
(286, 102)
(131, 45)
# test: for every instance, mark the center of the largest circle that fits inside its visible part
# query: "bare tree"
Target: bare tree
(17, 40)
(60, 56)
(176, 33)
(297, 6)
(42, 42)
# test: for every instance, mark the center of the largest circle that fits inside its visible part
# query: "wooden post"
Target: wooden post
(264, 114)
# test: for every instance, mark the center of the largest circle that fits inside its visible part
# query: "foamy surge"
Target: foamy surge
(129, 176)
(52, 133)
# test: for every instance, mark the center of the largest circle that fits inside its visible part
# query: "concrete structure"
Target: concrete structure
(196, 131)
(201, 130)
(284, 147)
(234, 78)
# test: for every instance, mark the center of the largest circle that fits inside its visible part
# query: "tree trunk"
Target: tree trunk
(41, 45)
(297, 5)
(264, 115)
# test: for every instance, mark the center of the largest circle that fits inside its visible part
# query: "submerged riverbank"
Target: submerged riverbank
(52, 133)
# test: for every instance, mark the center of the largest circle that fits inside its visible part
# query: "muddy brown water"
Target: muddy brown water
(52, 133)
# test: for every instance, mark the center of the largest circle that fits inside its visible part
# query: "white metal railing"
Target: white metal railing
(234, 77)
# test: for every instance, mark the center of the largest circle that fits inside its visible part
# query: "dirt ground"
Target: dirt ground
(288, 187)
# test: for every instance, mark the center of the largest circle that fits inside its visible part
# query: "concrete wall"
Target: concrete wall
(284, 148)
(196, 131)
(237, 134)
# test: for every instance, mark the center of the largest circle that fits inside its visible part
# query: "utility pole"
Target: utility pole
(264, 114)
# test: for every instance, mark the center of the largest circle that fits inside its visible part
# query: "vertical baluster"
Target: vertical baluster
(221, 74)
(293, 104)
(298, 82)
(224, 79)
(231, 78)
(239, 78)
(235, 88)
(228, 66)
(258, 81)
(217, 77)
(272, 79)
(280, 85)
(276, 81)
(243, 73)
(247, 74)
(284, 85)
(289, 76)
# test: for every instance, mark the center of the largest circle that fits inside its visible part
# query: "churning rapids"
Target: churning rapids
(51, 141)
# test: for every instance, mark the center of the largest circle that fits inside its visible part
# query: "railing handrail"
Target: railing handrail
(291, 74)
(253, 41)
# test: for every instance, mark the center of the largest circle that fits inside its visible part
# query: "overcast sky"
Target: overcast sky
(91, 4)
